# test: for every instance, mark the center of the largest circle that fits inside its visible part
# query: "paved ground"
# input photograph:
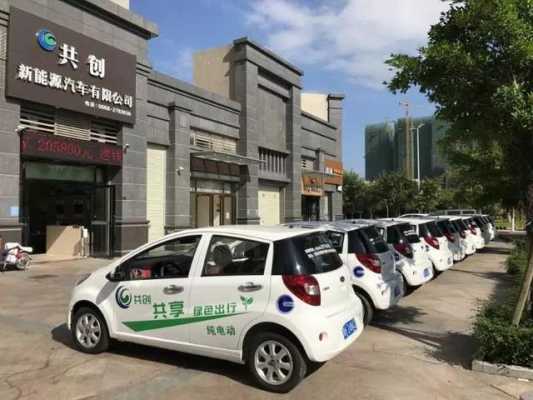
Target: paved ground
(419, 350)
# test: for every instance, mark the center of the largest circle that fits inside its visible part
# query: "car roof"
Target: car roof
(266, 232)
(360, 222)
(339, 226)
(417, 221)
(386, 222)
(414, 215)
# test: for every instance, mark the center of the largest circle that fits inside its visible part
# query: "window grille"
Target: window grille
(273, 162)
(64, 123)
(213, 142)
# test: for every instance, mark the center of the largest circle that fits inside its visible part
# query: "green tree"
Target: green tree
(355, 194)
(429, 196)
(477, 67)
(394, 193)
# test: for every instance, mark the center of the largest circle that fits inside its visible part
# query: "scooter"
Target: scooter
(17, 256)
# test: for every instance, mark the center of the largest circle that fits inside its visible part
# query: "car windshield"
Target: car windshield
(434, 229)
(446, 227)
(409, 232)
(307, 254)
(336, 239)
(462, 224)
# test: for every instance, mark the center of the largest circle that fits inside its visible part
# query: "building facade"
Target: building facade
(389, 148)
(98, 145)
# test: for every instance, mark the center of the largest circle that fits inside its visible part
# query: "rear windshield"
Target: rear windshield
(462, 225)
(409, 232)
(480, 221)
(373, 240)
(434, 229)
(423, 230)
(305, 255)
(446, 227)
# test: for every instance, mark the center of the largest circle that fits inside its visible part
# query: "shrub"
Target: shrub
(517, 261)
(499, 341)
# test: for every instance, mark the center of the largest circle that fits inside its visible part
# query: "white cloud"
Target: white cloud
(354, 37)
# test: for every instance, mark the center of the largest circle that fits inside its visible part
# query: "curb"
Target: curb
(512, 371)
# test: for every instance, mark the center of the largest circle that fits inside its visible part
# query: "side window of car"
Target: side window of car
(171, 259)
(228, 256)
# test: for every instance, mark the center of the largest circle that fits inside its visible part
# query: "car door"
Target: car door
(230, 291)
(151, 303)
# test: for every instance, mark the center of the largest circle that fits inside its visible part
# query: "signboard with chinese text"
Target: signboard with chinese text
(334, 171)
(52, 65)
(312, 185)
(42, 145)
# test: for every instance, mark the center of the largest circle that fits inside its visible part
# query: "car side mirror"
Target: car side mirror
(116, 275)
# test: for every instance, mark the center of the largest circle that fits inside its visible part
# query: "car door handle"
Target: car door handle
(172, 289)
(250, 287)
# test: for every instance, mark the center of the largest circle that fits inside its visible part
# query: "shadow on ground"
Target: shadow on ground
(180, 360)
(398, 315)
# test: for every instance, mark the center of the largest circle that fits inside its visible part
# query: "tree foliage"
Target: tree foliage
(477, 67)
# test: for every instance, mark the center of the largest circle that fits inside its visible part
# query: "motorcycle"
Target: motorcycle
(17, 256)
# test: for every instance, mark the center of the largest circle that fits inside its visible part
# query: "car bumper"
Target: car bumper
(416, 274)
(389, 292)
(321, 351)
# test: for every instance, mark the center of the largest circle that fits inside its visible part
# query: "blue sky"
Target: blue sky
(340, 45)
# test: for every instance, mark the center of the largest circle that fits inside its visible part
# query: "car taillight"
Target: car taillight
(463, 234)
(473, 229)
(370, 261)
(404, 248)
(433, 242)
(305, 287)
(449, 236)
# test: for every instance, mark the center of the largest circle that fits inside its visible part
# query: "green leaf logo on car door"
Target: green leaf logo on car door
(246, 301)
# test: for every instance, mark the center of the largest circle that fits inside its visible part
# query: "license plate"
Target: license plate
(349, 328)
(397, 291)
(426, 272)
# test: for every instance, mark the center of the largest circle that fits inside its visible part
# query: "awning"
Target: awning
(226, 157)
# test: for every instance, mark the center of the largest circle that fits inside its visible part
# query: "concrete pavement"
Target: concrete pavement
(421, 349)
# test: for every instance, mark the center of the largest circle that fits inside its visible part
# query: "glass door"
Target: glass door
(102, 221)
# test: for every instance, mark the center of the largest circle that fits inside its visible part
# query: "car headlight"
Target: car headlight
(82, 279)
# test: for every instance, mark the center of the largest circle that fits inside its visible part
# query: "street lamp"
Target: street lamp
(418, 153)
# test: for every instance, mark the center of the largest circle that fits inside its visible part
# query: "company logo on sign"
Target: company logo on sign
(359, 272)
(46, 40)
(285, 304)
(123, 297)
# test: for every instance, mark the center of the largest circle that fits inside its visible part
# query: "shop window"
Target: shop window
(273, 162)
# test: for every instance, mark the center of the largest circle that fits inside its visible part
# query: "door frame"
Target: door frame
(110, 222)
(211, 196)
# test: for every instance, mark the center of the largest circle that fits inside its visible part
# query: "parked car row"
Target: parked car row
(275, 298)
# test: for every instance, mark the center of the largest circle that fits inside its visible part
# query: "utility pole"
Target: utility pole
(408, 142)
(418, 153)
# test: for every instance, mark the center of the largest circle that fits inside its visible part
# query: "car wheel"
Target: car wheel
(368, 309)
(89, 331)
(275, 362)
(436, 272)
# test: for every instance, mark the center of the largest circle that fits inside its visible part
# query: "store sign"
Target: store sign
(334, 172)
(52, 65)
(312, 185)
(54, 147)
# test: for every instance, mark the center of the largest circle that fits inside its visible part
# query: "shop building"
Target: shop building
(101, 153)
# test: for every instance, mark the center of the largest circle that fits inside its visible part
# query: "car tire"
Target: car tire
(89, 331)
(436, 272)
(368, 309)
(258, 361)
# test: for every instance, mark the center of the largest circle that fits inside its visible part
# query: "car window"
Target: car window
(434, 229)
(423, 230)
(336, 239)
(373, 241)
(356, 243)
(409, 232)
(305, 255)
(170, 259)
(229, 256)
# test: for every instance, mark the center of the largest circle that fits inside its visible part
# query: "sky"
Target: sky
(340, 44)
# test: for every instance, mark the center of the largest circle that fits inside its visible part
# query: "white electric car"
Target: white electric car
(475, 232)
(411, 254)
(369, 261)
(465, 240)
(440, 255)
(272, 298)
